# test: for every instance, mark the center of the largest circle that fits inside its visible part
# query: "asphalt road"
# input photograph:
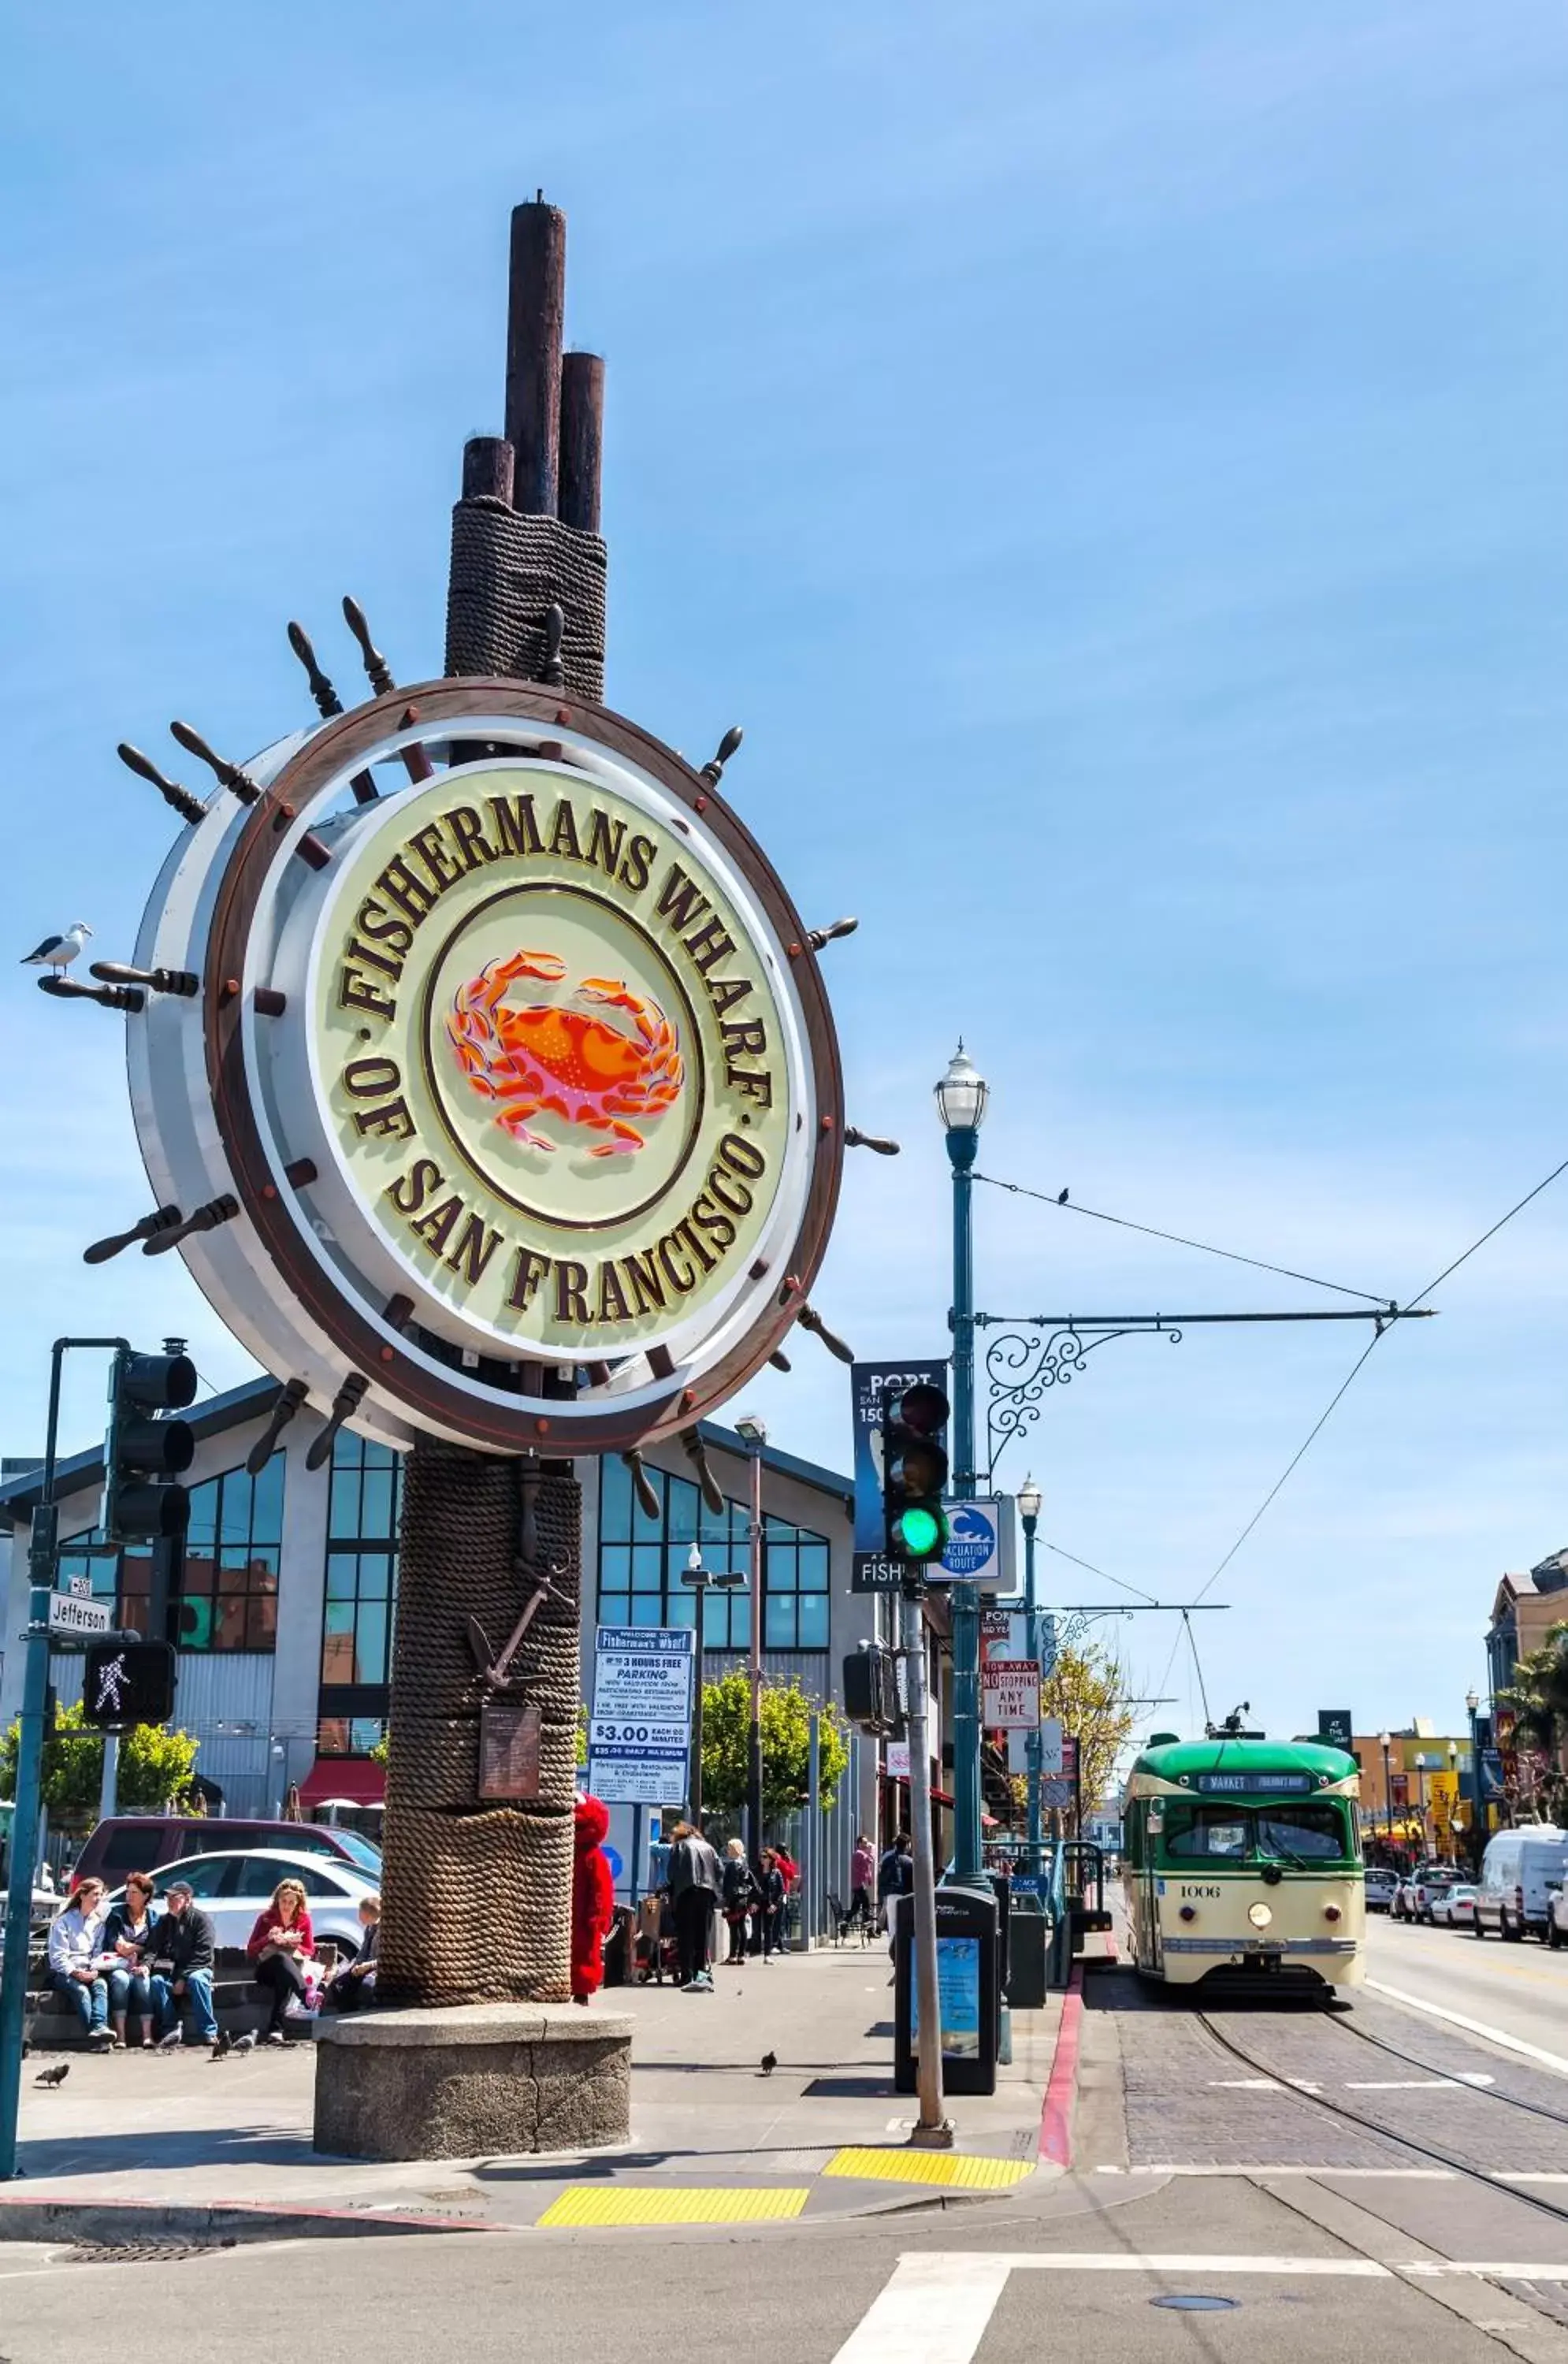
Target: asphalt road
(1520, 1990)
(1347, 2247)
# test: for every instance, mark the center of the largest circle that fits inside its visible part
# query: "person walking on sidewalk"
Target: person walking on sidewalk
(182, 1950)
(127, 1948)
(75, 1959)
(895, 1876)
(862, 1871)
(773, 1906)
(740, 1894)
(694, 1879)
(279, 1946)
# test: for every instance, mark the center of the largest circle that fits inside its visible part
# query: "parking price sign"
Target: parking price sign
(639, 1733)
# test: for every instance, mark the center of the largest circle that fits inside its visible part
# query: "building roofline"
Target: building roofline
(20, 1495)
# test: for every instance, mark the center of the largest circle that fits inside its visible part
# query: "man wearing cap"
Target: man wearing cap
(181, 1956)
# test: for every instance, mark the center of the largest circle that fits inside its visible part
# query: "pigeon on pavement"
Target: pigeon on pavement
(58, 952)
(770, 2062)
(56, 2076)
(223, 2047)
(246, 2043)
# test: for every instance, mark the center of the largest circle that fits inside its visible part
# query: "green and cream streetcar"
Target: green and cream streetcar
(1242, 1861)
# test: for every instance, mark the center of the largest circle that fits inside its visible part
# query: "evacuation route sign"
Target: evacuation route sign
(639, 1733)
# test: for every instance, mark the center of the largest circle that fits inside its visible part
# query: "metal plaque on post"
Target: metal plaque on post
(508, 1750)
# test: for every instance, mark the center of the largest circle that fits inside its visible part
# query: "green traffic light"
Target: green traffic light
(922, 1532)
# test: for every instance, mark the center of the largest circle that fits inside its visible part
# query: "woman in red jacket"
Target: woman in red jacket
(592, 1899)
(281, 1942)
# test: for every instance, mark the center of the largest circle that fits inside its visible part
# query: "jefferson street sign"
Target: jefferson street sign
(68, 1614)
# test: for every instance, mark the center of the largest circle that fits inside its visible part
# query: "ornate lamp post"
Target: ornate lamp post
(1477, 1816)
(700, 1577)
(1454, 1795)
(1421, 1797)
(1383, 1740)
(960, 1099)
(1028, 1512)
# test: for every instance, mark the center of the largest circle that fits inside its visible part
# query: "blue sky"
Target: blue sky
(1112, 460)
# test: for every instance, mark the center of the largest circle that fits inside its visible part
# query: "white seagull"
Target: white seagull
(58, 952)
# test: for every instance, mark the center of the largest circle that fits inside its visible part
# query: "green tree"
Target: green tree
(1539, 1697)
(1086, 1689)
(787, 1745)
(155, 1766)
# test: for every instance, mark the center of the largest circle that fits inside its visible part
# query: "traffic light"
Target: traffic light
(914, 1474)
(127, 1682)
(871, 1689)
(144, 1454)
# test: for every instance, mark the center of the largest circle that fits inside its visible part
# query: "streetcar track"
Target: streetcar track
(1487, 2092)
(1385, 2133)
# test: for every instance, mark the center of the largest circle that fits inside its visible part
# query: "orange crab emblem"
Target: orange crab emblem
(572, 1061)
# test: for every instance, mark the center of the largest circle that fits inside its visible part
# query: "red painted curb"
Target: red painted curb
(1055, 2118)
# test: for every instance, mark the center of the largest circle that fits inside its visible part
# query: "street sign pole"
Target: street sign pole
(30, 1770)
(933, 2129)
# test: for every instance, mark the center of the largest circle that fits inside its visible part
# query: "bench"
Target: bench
(51, 2025)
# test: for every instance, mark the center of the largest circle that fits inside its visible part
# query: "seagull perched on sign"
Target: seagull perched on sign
(58, 952)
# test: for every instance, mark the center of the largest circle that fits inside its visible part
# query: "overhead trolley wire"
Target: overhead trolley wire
(1205, 1247)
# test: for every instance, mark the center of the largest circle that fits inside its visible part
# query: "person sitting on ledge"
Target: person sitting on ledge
(353, 1987)
(75, 1944)
(279, 1946)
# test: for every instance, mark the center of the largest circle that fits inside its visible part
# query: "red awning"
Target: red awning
(353, 1780)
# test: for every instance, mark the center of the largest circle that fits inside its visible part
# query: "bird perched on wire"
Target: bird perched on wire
(770, 2062)
(1062, 1197)
(57, 952)
(56, 2076)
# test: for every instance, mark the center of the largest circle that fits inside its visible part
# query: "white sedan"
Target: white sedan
(1452, 1907)
(232, 1890)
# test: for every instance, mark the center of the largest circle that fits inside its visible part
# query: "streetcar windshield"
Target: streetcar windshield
(1313, 1832)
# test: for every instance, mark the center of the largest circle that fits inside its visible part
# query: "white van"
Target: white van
(1516, 1872)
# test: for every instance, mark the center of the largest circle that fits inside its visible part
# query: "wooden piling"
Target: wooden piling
(535, 325)
(581, 439)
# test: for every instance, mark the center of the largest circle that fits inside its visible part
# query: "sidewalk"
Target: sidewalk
(169, 2139)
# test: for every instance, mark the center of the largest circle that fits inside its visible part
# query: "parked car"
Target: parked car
(1403, 1907)
(1518, 1871)
(127, 1843)
(1453, 1907)
(232, 1890)
(1380, 1888)
(1557, 1918)
(1431, 1882)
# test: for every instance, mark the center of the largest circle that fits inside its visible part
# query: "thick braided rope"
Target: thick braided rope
(476, 1903)
(506, 569)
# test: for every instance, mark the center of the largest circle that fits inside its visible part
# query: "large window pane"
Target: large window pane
(813, 1615)
(615, 1501)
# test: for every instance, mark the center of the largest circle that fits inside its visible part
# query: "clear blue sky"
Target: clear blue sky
(1112, 459)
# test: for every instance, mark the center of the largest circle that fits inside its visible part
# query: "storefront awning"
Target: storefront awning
(348, 1781)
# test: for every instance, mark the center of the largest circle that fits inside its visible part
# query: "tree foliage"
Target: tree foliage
(1539, 1697)
(787, 1745)
(155, 1766)
(1086, 1689)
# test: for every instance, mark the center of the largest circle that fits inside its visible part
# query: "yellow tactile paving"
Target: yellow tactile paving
(601, 2204)
(964, 2169)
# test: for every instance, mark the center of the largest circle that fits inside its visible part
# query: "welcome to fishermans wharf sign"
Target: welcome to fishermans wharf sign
(524, 1063)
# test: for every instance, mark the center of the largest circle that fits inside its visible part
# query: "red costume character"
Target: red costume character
(592, 1899)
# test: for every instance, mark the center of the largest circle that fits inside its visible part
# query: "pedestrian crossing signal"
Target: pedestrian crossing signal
(915, 1475)
(124, 1683)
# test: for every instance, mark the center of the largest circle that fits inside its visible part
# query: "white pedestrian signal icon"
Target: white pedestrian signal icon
(114, 1681)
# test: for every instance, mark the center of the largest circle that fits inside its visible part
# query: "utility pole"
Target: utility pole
(933, 2129)
(961, 1099)
(755, 1435)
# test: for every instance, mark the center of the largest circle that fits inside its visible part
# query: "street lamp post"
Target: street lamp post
(1477, 1819)
(1383, 1740)
(753, 1434)
(700, 1577)
(1421, 1799)
(1028, 1513)
(960, 1099)
(1452, 1795)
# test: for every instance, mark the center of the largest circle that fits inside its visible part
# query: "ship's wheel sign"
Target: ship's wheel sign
(522, 1063)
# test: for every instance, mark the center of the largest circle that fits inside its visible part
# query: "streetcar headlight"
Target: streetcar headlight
(1259, 1915)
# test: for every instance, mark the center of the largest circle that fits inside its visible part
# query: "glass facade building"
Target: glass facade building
(641, 1560)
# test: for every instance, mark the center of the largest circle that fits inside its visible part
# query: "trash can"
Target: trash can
(1029, 1939)
(969, 1993)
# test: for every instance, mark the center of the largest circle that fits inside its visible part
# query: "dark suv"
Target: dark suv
(127, 1843)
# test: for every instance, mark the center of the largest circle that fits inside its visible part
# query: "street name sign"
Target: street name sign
(68, 1614)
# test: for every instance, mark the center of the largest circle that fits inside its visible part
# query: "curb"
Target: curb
(1056, 2116)
(129, 2224)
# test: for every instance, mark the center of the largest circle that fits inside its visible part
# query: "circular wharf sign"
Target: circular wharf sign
(510, 1098)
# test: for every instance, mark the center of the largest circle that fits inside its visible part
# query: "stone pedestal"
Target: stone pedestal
(482, 2078)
